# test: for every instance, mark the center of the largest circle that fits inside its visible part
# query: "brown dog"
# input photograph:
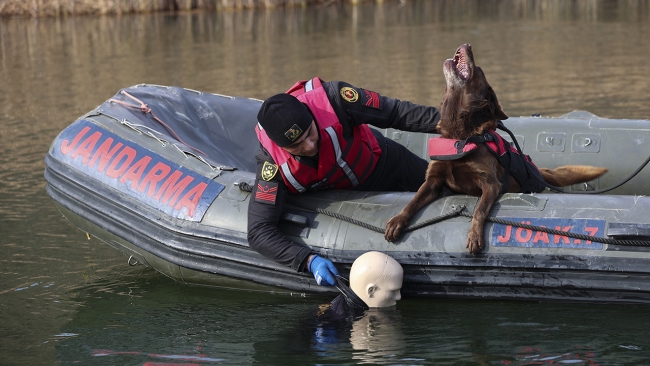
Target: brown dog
(470, 108)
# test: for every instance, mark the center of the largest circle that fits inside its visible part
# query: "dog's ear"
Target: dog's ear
(500, 114)
(498, 111)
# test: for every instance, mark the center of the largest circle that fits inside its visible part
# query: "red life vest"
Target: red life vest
(441, 148)
(342, 163)
(524, 171)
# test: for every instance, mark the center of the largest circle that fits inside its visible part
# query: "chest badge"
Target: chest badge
(269, 171)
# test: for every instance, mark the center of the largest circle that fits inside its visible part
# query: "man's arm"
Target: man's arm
(366, 106)
(264, 211)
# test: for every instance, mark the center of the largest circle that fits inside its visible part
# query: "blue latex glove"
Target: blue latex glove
(323, 270)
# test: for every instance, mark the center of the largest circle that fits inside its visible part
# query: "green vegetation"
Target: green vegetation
(39, 8)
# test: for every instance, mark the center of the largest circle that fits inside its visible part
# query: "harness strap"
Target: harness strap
(488, 137)
(448, 149)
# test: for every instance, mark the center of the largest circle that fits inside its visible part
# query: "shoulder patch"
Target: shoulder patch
(266, 192)
(370, 99)
(349, 94)
(269, 171)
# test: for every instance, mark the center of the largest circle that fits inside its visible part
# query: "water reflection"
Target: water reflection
(377, 338)
(155, 320)
(152, 319)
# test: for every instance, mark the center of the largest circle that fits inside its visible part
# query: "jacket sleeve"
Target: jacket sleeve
(361, 106)
(264, 213)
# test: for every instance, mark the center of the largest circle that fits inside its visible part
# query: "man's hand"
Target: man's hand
(323, 270)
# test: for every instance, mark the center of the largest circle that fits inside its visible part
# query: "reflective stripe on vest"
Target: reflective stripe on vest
(309, 85)
(286, 172)
(339, 157)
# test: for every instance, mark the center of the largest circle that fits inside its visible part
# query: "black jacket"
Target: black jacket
(263, 216)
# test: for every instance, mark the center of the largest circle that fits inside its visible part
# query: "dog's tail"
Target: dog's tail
(571, 174)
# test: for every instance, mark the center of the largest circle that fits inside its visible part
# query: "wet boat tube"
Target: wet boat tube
(160, 174)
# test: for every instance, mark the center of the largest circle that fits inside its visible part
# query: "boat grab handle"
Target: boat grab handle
(132, 263)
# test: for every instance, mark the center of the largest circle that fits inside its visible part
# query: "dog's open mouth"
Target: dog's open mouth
(460, 69)
(461, 65)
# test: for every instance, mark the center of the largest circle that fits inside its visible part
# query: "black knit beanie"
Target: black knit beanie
(284, 118)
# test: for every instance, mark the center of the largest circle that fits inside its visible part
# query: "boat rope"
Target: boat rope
(455, 212)
(144, 108)
(247, 187)
(459, 210)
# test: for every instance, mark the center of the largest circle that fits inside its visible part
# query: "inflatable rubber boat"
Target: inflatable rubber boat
(160, 173)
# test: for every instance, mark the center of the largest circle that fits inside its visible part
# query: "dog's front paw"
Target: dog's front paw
(474, 243)
(394, 228)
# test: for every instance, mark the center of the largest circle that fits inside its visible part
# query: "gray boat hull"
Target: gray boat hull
(109, 174)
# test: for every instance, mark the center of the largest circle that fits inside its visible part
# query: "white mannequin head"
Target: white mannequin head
(376, 278)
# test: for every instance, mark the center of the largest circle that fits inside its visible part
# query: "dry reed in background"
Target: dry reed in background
(38, 8)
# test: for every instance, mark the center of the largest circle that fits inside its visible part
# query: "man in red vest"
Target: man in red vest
(316, 136)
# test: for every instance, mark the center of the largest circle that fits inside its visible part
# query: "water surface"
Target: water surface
(68, 299)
